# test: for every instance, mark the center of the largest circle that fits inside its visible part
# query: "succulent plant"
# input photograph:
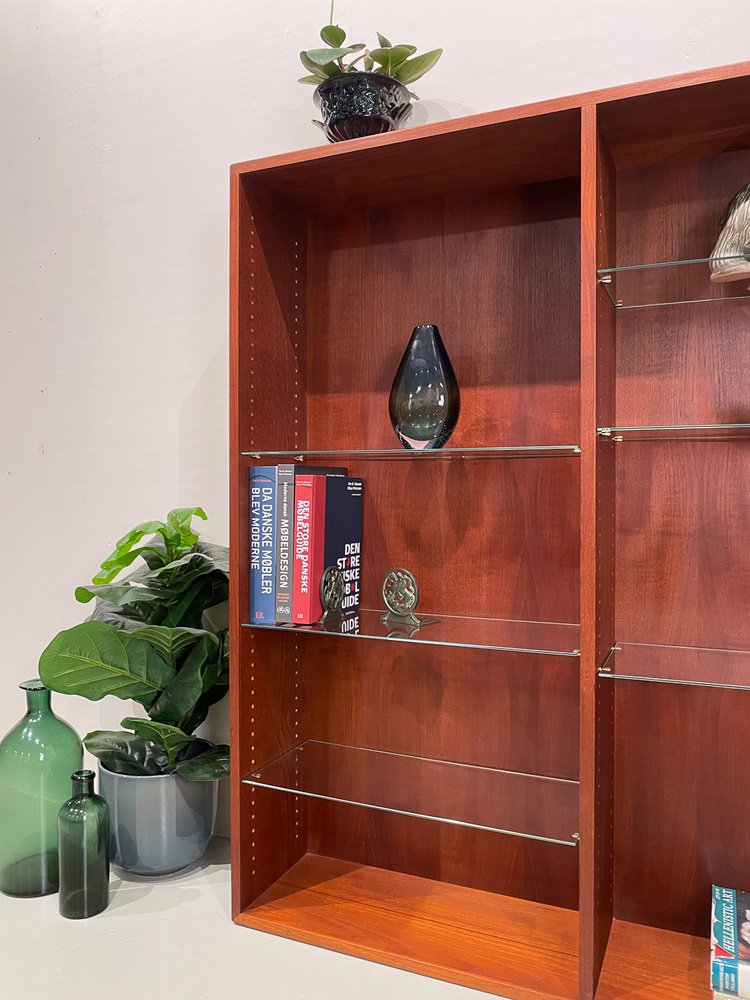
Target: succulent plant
(398, 61)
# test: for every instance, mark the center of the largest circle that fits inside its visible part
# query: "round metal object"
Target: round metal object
(400, 591)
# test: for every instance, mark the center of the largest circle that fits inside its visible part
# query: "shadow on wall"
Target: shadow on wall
(425, 112)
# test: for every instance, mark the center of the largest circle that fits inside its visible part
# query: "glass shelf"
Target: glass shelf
(437, 454)
(691, 665)
(523, 805)
(677, 432)
(671, 282)
(546, 638)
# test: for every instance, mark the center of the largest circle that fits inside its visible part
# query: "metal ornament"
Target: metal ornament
(401, 595)
(332, 591)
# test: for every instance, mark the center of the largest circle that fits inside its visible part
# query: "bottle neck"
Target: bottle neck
(37, 697)
(83, 783)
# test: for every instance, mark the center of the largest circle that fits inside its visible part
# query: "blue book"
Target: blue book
(730, 942)
(262, 544)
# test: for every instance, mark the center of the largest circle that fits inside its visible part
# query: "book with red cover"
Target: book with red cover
(309, 547)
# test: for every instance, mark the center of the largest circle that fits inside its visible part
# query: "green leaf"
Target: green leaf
(170, 738)
(122, 557)
(179, 574)
(170, 642)
(413, 69)
(369, 64)
(94, 659)
(383, 41)
(177, 703)
(322, 56)
(188, 609)
(209, 766)
(390, 58)
(120, 594)
(315, 80)
(314, 68)
(177, 534)
(112, 615)
(181, 520)
(333, 35)
(126, 753)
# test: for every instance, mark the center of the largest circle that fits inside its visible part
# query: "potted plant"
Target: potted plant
(159, 637)
(367, 94)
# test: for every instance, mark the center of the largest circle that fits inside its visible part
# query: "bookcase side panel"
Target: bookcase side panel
(273, 338)
(268, 832)
(597, 556)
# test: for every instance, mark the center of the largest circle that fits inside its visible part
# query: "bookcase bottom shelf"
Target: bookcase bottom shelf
(499, 944)
(647, 963)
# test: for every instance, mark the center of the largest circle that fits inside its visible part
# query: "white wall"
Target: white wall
(118, 123)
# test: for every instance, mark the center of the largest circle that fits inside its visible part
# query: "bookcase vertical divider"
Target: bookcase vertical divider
(597, 555)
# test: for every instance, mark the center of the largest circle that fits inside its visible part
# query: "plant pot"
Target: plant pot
(357, 104)
(159, 823)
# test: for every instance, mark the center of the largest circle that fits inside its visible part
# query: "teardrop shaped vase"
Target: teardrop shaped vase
(425, 401)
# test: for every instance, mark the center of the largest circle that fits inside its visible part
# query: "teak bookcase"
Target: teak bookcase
(533, 796)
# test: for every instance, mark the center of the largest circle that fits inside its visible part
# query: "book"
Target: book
(309, 539)
(286, 476)
(262, 575)
(730, 941)
(284, 536)
(343, 539)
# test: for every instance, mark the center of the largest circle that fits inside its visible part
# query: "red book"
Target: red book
(309, 547)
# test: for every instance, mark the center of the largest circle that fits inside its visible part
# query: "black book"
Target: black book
(343, 541)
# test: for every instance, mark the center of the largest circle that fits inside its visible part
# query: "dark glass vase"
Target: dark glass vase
(37, 758)
(425, 400)
(83, 837)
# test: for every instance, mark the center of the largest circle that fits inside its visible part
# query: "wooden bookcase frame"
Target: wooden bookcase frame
(494, 226)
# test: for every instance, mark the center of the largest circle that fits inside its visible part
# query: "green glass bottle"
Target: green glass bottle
(83, 838)
(36, 760)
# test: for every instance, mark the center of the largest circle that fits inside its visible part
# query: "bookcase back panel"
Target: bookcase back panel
(683, 562)
(504, 710)
(682, 363)
(496, 538)
(497, 273)
(480, 859)
(680, 802)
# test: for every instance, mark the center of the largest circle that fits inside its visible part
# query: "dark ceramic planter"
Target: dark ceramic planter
(357, 104)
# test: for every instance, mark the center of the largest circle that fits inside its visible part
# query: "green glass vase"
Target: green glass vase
(83, 839)
(37, 758)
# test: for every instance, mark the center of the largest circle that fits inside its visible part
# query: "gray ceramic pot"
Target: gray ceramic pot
(159, 824)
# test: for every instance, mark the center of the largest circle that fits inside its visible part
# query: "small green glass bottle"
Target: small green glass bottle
(36, 760)
(83, 838)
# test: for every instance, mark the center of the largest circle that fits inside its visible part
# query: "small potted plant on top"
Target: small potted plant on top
(159, 637)
(367, 94)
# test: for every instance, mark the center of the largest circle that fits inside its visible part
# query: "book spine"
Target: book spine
(724, 921)
(284, 540)
(309, 537)
(730, 976)
(262, 543)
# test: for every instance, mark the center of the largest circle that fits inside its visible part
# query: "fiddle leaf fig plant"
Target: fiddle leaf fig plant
(397, 61)
(158, 637)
